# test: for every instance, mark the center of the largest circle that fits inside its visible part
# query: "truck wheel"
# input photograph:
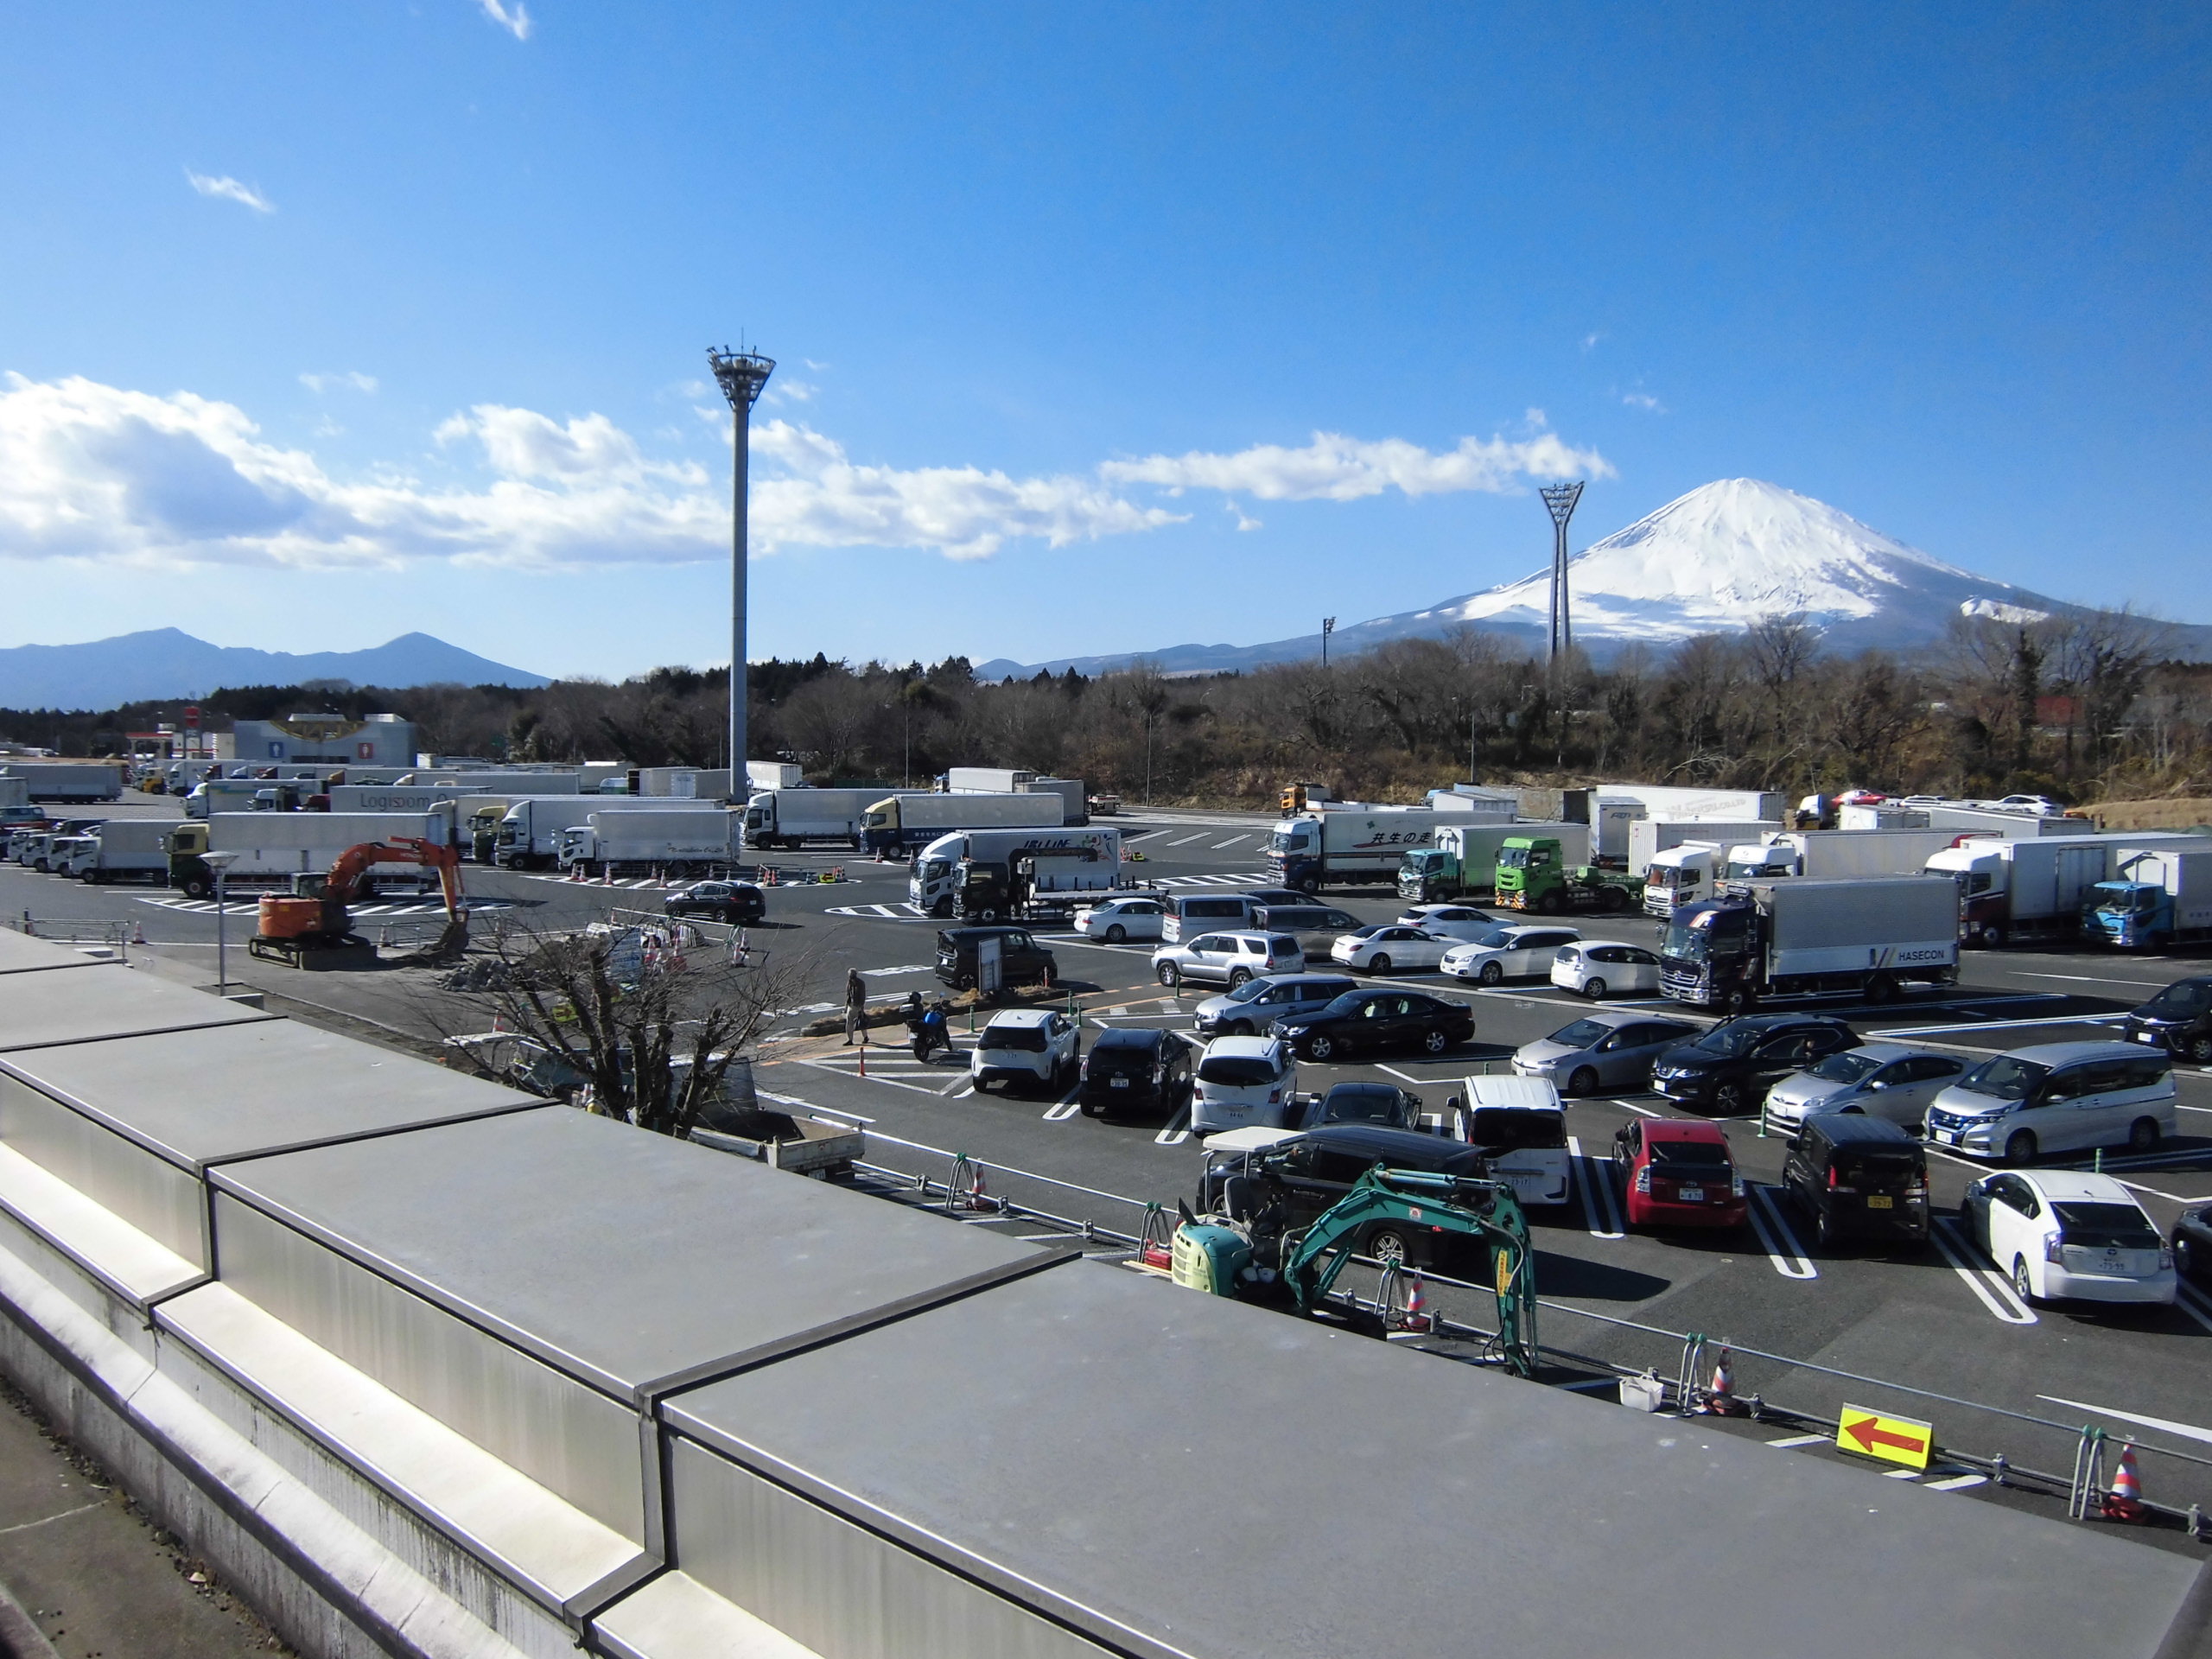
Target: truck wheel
(2020, 1146)
(988, 914)
(198, 888)
(1169, 974)
(1490, 974)
(1881, 988)
(1548, 904)
(1594, 989)
(2143, 1135)
(1739, 1001)
(1614, 902)
(1309, 886)
(1989, 935)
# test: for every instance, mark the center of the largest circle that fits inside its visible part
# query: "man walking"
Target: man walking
(855, 1008)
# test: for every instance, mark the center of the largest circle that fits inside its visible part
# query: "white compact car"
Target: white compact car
(1389, 949)
(1448, 921)
(2066, 1235)
(1123, 919)
(1508, 953)
(1243, 1082)
(1026, 1045)
(1597, 968)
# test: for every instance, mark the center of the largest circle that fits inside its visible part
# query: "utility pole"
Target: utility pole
(1561, 499)
(1328, 627)
(741, 375)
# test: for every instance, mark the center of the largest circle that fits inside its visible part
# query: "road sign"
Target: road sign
(1894, 1439)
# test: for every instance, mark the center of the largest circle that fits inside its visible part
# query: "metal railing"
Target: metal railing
(70, 930)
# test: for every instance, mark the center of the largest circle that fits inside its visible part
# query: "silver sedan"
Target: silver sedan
(1887, 1080)
(1613, 1049)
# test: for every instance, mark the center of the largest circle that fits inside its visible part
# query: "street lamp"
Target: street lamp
(221, 862)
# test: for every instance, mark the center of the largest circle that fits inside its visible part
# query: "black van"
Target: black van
(1022, 961)
(1857, 1177)
(1308, 1173)
(1135, 1070)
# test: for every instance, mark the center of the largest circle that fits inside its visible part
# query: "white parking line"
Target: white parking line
(1064, 1107)
(1596, 1180)
(1231, 841)
(2196, 1305)
(1957, 1483)
(2187, 1431)
(1177, 1131)
(2095, 979)
(1902, 1474)
(2002, 1025)
(1402, 1077)
(1187, 839)
(1960, 1253)
(1801, 1439)
(1791, 1263)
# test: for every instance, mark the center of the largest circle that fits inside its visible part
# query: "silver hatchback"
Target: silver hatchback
(1610, 1049)
(1887, 1080)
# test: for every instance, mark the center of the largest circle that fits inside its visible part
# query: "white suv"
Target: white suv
(1029, 1045)
(1243, 1082)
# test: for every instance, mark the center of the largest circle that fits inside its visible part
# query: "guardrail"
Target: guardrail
(90, 930)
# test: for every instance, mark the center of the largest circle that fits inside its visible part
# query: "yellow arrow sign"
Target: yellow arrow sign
(1895, 1440)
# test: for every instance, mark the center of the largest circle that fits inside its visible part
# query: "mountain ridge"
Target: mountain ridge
(161, 663)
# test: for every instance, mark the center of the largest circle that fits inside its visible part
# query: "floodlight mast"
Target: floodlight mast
(741, 375)
(1561, 499)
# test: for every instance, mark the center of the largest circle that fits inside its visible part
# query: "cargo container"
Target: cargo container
(681, 783)
(903, 824)
(1834, 854)
(1649, 836)
(1805, 937)
(675, 842)
(1067, 860)
(529, 833)
(2033, 888)
(986, 780)
(496, 781)
(1366, 845)
(52, 780)
(774, 774)
(1883, 817)
(14, 792)
(274, 847)
(1658, 801)
(2013, 826)
(2158, 896)
(1463, 858)
(1075, 802)
(1476, 804)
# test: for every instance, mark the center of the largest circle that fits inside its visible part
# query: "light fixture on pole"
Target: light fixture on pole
(1328, 627)
(1561, 499)
(220, 863)
(741, 375)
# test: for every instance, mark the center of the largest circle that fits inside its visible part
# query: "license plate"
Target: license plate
(2146, 1037)
(1689, 1195)
(1949, 1137)
(1117, 1082)
(1880, 1201)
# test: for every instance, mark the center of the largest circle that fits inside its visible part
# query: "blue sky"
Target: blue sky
(325, 323)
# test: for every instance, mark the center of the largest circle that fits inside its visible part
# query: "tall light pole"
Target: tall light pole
(1561, 499)
(220, 863)
(741, 375)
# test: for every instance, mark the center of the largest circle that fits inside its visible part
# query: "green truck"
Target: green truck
(1533, 873)
(1464, 857)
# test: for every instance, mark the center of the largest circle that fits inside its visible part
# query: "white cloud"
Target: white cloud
(1334, 467)
(1643, 400)
(225, 188)
(353, 377)
(1590, 342)
(790, 391)
(95, 473)
(514, 19)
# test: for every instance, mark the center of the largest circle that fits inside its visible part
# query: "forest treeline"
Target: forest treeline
(2083, 708)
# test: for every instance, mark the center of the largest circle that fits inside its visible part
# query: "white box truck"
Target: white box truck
(904, 823)
(774, 774)
(1834, 854)
(1650, 836)
(677, 843)
(986, 780)
(1361, 844)
(50, 780)
(1075, 801)
(1083, 860)
(1464, 859)
(129, 849)
(2035, 886)
(1719, 806)
(682, 783)
(273, 847)
(529, 835)
(791, 817)
(1802, 937)
(2158, 897)
(1882, 818)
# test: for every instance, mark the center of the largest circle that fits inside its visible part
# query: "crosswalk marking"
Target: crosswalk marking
(881, 913)
(242, 906)
(1231, 841)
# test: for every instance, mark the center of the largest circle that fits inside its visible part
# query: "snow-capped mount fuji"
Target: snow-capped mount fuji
(1712, 561)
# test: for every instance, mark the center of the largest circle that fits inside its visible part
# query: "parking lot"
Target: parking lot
(1940, 1319)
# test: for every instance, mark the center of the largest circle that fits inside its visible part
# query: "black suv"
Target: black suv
(2177, 1019)
(1857, 1177)
(1132, 1070)
(1309, 1173)
(1731, 1066)
(734, 902)
(1022, 961)
(1380, 1021)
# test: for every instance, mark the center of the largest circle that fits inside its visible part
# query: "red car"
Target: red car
(1678, 1173)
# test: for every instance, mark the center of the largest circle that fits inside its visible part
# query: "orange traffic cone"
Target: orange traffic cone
(138, 933)
(607, 876)
(2125, 1501)
(1721, 1399)
(979, 1198)
(1417, 1305)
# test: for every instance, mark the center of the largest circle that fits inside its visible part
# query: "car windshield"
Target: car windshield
(2191, 996)
(1236, 1070)
(1027, 1038)
(1498, 1128)
(1583, 1034)
(1251, 988)
(1496, 940)
(1684, 944)
(1845, 1068)
(2099, 1226)
(1729, 1041)
(2006, 1078)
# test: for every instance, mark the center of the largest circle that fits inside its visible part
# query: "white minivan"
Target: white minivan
(2057, 1098)
(1242, 1083)
(1207, 912)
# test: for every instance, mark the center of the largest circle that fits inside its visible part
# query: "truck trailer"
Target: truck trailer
(904, 824)
(529, 833)
(1463, 858)
(2158, 896)
(129, 849)
(791, 817)
(1834, 854)
(1650, 836)
(986, 780)
(51, 780)
(1085, 861)
(1366, 845)
(774, 774)
(274, 847)
(1806, 937)
(678, 843)
(2036, 886)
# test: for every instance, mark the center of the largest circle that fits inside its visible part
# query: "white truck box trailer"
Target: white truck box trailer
(529, 833)
(1802, 937)
(1883, 817)
(774, 774)
(675, 842)
(791, 817)
(1354, 843)
(502, 781)
(1720, 805)
(1648, 835)
(682, 783)
(1075, 800)
(1477, 806)
(2013, 826)
(14, 792)
(904, 823)
(129, 849)
(986, 780)
(2157, 896)
(2033, 888)
(51, 780)
(273, 847)
(1064, 860)
(1835, 854)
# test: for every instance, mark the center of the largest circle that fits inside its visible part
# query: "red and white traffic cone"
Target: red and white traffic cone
(1417, 1317)
(607, 876)
(138, 933)
(2125, 1501)
(980, 1198)
(1721, 1399)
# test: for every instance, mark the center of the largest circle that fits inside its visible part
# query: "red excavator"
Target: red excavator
(310, 927)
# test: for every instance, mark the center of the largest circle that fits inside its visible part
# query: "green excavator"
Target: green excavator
(1245, 1252)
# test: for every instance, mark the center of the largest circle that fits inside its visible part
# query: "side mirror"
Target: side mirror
(1452, 1104)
